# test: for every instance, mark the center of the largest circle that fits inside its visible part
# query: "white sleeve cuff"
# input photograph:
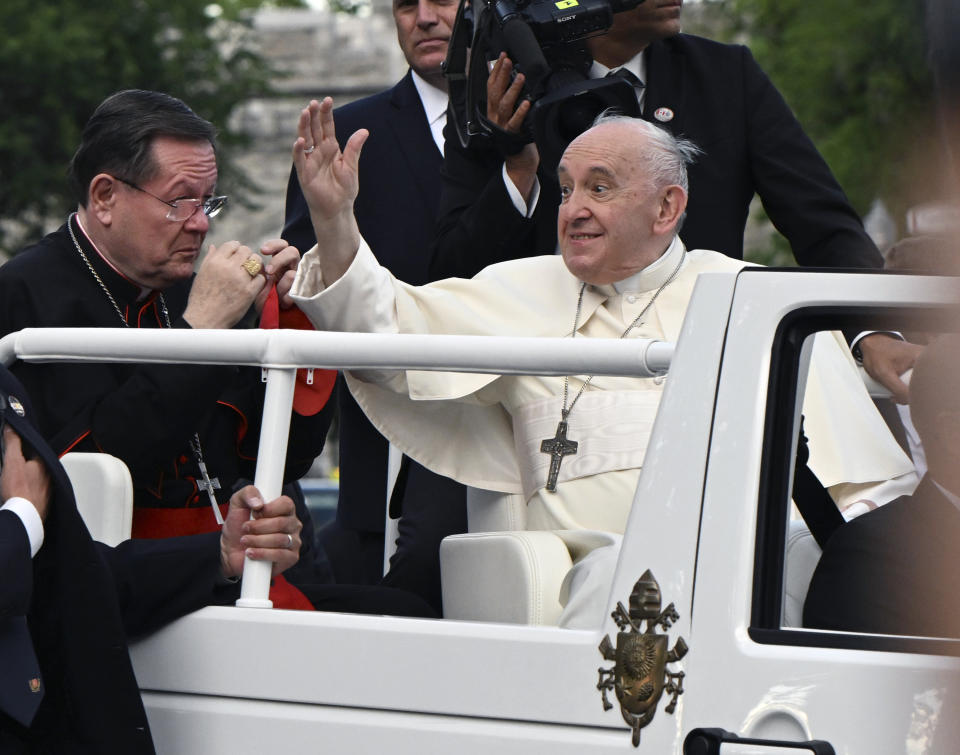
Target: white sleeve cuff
(31, 521)
(360, 301)
(855, 343)
(517, 198)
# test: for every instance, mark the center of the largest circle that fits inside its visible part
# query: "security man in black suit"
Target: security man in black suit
(396, 211)
(711, 93)
(67, 608)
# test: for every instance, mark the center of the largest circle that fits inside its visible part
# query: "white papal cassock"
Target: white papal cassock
(485, 430)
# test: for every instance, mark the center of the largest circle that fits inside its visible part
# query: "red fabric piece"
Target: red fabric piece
(152, 523)
(307, 399)
(285, 595)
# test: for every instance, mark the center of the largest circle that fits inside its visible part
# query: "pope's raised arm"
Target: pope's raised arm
(330, 183)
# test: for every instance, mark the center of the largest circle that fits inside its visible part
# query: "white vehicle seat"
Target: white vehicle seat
(104, 493)
(508, 577)
(802, 555)
(500, 571)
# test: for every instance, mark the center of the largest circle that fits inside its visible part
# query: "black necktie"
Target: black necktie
(627, 75)
(21, 686)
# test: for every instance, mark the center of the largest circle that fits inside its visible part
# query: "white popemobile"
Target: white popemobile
(706, 657)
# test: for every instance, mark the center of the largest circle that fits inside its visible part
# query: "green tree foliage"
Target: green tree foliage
(855, 74)
(59, 59)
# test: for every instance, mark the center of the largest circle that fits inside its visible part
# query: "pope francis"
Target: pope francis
(572, 446)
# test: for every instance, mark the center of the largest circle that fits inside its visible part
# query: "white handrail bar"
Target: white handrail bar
(281, 352)
(268, 476)
(296, 348)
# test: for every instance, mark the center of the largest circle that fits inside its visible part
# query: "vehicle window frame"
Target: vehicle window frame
(773, 493)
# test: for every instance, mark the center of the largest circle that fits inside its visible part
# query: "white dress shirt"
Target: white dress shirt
(434, 103)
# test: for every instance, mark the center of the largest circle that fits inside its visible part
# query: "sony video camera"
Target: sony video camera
(544, 39)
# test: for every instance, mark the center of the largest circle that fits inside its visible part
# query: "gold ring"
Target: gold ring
(253, 265)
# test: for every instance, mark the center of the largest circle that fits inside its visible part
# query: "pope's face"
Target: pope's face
(608, 208)
(145, 246)
(423, 30)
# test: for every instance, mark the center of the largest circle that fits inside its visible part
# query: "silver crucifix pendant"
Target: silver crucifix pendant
(210, 485)
(558, 446)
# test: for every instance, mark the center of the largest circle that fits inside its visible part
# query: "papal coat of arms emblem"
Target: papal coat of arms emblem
(639, 675)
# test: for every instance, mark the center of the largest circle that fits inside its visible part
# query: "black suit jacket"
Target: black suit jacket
(396, 211)
(722, 101)
(892, 571)
(82, 599)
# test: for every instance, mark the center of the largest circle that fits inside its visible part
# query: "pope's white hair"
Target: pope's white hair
(666, 156)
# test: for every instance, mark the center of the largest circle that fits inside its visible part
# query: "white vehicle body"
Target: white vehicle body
(231, 680)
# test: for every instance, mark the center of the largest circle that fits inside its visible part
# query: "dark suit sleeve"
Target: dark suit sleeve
(16, 568)
(297, 227)
(798, 191)
(478, 224)
(158, 581)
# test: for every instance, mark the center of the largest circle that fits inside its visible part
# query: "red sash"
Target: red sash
(153, 523)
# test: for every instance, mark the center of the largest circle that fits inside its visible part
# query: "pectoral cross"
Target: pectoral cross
(558, 446)
(209, 485)
(206, 483)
